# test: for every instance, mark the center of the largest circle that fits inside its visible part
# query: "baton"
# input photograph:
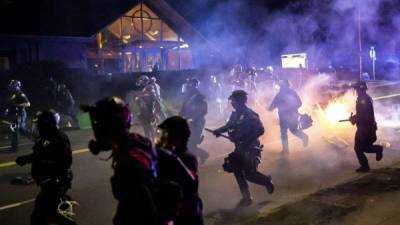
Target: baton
(221, 135)
(227, 137)
(346, 120)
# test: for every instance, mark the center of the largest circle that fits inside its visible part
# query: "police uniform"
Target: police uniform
(194, 109)
(133, 182)
(176, 165)
(66, 104)
(182, 169)
(51, 161)
(366, 130)
(288, 102)
(134, 161)
(147, 103)
(244, 128)
(17, 115)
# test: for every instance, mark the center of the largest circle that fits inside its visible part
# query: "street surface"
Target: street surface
(304, 171)
(329, 159)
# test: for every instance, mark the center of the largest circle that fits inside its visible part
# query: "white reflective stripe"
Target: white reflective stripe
(16, 204)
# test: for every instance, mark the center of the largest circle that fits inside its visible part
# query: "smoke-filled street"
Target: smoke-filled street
(325, 162)
(200, 112)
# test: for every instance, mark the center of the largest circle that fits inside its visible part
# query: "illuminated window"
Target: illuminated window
(141, 23)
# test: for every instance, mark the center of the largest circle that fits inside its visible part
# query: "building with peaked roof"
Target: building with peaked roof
(106, 36)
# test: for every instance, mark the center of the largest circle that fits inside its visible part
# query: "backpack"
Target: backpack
(305, 121)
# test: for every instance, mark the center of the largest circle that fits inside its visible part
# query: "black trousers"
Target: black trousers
(291, 125)
(245, 169)
(20, 121)
(134, 213)
(45, 210)
(364, 143)
(70, 111)
(196, 130)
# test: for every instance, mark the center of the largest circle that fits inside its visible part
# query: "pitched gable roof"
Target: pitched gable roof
(79, 18)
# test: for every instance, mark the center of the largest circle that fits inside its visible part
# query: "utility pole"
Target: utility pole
(372, 55)
(359, 38)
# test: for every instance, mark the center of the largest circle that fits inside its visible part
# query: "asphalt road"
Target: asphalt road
(328, 160)
(304, 171)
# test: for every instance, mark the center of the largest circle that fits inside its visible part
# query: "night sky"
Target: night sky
(266, 28)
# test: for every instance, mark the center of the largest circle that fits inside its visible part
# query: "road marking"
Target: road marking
(75, 152)
(16, 204)
(386, 96)
(79, 151)
(9, 146)
(7, 164)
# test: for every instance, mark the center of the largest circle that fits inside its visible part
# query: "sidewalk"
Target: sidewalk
(367, 199)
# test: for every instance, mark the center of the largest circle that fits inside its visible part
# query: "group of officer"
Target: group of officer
(17, 103)
(158, 183)
(153, 184)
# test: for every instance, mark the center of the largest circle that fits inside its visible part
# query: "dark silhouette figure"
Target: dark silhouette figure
(365, 136)
(134, 162)
(244, 129)
(147, 102)
(66, 104)
(177, 165)
(16, 113)
(194, 109)
(51, 161)
(288, 102)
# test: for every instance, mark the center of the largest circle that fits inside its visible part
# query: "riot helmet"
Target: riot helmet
(175, 128)
(47, 121)
(143, 81)
(361, 85)
(238, 95)
(15, 85)
(110, 118)
(193, 82)
(284, 83)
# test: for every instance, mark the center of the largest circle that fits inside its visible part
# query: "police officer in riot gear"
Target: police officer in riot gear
(365, 136)
(194, 109)
(16, 112)
(288, 102)
(51, 162)
(176, 164)
(146, 101)
(244, 129)
(214, 94)
(133, 182)
(66, 103)
(160, 108)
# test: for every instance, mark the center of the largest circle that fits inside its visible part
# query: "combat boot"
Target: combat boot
(363, 169)
(269, 185)
(244, 202)
(379, 152)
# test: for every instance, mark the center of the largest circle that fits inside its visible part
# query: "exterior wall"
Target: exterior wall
(73, 54)
(21, 50)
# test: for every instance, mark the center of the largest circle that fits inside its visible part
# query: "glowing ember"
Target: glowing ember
(336, 111)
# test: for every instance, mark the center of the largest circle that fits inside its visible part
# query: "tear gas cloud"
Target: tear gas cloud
(326, 29)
